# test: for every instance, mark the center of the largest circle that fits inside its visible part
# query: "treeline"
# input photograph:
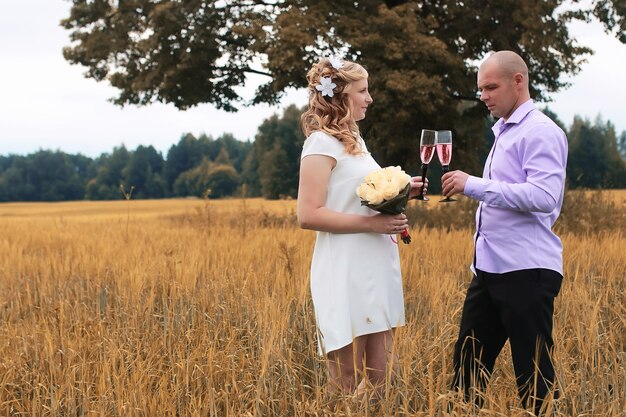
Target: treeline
(597, 155)
(267, 167)
(195, 166)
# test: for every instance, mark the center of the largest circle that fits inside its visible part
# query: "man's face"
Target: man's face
(499, 92)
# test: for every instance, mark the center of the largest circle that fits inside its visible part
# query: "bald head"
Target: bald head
(508, 62)
(503, 83)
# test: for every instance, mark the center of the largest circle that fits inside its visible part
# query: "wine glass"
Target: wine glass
(427, 149)
(444, 153)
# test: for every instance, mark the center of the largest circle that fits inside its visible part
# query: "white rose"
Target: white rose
(395, 170)
(368, 193)
(373, 196)
(401, 180)
(387, 173)
(361, 191)
(389, 190)
(383, 184)
(376, 178)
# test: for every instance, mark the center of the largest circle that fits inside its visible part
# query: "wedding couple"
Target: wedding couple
(356, 282)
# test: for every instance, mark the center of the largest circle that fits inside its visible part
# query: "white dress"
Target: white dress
(356, 283)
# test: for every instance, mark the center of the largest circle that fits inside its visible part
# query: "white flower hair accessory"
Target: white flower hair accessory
(335, 62)
(326, 86)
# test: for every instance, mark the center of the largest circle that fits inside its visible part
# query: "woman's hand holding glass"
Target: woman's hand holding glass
(427, 150)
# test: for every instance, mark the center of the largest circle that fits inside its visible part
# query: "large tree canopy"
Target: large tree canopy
(421, 55)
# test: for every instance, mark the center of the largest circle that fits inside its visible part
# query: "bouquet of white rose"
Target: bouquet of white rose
(386, 190)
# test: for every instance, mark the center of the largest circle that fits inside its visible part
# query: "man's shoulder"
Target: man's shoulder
(541, 117)
(541, 131)
(539, 121)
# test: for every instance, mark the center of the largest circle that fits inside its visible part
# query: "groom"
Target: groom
(517, 265)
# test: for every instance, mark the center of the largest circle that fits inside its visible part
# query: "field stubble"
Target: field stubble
(202, 308)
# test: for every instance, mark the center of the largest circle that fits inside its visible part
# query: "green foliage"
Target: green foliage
(222, 180)
(421, 55)
(213, 179)
(189, 152)
(621, 145)
(227, 149)
(594, 159)
(250, 175)
(184, 155)
(276, 180)
(143, 48)
(109, 175)
(277, 151)
(193, 166)
(269, 167)
(144, 172)
(613, 14)
(42, 176)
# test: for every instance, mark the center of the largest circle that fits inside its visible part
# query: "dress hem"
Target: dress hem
(321, 352)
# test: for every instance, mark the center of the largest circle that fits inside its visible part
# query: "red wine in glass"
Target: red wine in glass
(444, 153)
(427, 150)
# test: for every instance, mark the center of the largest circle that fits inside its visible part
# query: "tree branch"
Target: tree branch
(251, 3)
(253, 71)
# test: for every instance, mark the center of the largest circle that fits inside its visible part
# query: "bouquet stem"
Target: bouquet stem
(405, 236)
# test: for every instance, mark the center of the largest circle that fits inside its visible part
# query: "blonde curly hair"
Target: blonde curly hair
(333, 115)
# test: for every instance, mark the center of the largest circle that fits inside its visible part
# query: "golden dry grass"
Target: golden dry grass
(618, 196)
(194, 308)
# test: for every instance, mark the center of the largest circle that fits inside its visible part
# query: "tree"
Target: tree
(6, 162)
(275, 181)
(13, 183)
(190, 152)
(218, 180)
(53, 177)
(421, 55)
(109, 176)
(621, 145)
(236, 150)
(613, 14)
(183, 156)
(277, 148)
(43, 176)
(222, 180)
(594, 160)
(144, 172)
(250, 175)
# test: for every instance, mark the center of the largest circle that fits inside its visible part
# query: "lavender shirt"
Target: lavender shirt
(520, 194)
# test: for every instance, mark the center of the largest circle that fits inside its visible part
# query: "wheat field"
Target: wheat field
(202, 308)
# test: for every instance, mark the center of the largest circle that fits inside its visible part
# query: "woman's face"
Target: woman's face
(360, 98)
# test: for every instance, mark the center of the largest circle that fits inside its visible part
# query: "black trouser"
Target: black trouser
(517, 306)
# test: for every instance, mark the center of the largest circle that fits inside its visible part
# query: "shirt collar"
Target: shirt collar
(517, 116)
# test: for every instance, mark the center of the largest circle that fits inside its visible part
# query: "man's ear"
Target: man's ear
(518, 78)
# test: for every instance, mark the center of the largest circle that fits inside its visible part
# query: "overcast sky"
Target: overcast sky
(46, 103)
